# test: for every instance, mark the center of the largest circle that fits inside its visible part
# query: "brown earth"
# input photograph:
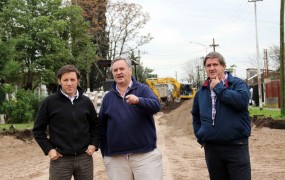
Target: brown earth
(183, 158)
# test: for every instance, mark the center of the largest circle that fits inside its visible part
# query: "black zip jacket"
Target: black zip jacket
(71, 127)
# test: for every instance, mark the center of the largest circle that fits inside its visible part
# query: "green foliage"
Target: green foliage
(17, 126)
(142, 72)
(274, 113)
(11, 71)
(2, 4)
(42, 36)
(7, 88)
(231, 68)
(23, 108)
(6, 53)
(2, 99)
(152, 76)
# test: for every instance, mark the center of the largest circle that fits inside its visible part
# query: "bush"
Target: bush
(23, 109)
(2, 99)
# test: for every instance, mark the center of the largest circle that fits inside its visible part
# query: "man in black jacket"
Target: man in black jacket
(73, 128)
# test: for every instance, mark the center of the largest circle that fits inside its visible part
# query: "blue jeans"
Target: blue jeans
(228, 162)
(79, 166)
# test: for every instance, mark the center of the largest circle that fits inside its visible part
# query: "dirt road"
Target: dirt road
(183, 158)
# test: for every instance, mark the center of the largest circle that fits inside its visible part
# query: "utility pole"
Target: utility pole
(204, 72)
(198, 78)
(257, 56)
(282, 78)
(141, 68)
(266, 71)
(214, 45)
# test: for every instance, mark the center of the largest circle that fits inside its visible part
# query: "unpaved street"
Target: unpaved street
(183, 158)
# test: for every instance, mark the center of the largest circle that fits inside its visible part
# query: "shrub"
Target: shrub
(23, 109)
(2, 99)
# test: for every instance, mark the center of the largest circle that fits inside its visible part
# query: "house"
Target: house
(270, 87)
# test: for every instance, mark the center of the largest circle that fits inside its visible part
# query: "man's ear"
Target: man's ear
(58, 81)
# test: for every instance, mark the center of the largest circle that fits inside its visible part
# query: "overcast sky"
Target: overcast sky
(175, 23)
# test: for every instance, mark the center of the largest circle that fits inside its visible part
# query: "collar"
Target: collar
(129, 86)
(224, 80)
(75, 96)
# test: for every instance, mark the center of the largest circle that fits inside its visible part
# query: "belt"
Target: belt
(232, 142)
(74, 154)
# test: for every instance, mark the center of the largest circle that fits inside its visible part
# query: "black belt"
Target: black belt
(74, 154)
(232, 142)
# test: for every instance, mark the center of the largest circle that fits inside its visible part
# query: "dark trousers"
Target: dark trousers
(228, 162)
(79, 166)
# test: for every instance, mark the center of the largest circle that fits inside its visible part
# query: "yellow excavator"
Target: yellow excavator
(168, 89)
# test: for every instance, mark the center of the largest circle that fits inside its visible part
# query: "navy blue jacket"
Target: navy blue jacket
(232, 121)
(128, 128)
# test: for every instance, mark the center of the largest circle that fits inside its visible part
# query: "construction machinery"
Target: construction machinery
(169, 89)
(187, 91)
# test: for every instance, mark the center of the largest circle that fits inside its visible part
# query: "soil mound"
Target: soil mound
(176, 108)
(170, 106)
(22, 135)
(260, 122)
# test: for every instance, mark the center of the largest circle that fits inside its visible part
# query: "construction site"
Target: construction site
(41, 42)
(183, 157)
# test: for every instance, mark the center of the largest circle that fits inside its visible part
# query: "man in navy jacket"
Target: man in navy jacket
(221, 121)
(128, 134)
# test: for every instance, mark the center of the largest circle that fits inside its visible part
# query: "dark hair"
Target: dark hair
(124, 58)
(67, 69)
(215, 55)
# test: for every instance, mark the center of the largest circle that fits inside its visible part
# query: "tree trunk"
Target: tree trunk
(282, 78)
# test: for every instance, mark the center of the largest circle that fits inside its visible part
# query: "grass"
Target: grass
(274, 113)
(17, 126)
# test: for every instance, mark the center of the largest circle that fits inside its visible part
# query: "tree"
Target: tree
(141, 72)
(194, 72)
(124, 21)
(7, 50)
(2, 4)
(231, 69)
(94, 12)
(144, 73)
(11, 72)
(274, 55)
(45, 36)
(82, 48)
(282, 63)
